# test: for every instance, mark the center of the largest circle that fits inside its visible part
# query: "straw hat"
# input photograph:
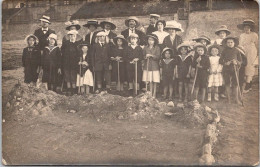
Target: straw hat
(155, 15)
(132, 18)
(173, 25)
(203, 37)
(102, 25)
(72, 32)
(53, 36)
(223, 28)
(45, 19)
(165, 49)
(91, 22)
(31, 36)
(120, 37)
(224, 42)
(247, 22)
(72, 23)
(154, 37)
(200, 45)
(213, 46)
(184, 44)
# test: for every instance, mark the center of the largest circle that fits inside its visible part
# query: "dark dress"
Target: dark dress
(70, 60)
(168, 71)
(131, 54)
(51, 62)
(31, 60)
(202, 74)
(122, 65)
(183, 67)
(43, 37)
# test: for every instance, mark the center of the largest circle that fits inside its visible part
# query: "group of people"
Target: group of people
(156, 61)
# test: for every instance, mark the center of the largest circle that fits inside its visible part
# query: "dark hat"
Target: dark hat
(102, 25)
(223, 28)
(200, 45)
(247, 22)
(154, 37)
(45, 19)
(224, 42)
(91, 22)
(213, 46)
(72, 23)
(164, 50)
(203, 37)
(120, 37)
(160, 21)
(132, 18)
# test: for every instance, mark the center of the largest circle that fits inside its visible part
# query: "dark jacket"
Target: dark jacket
(141, 35)
(151, 29)
(43, 37)
(87, 39)
(167, 42)
(229, 54)
(101, 57)
(31, 60)
(183, 66)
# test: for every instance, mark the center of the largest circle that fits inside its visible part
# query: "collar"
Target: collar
(184, 57)
(168, 61)
(133, 46)
(45, 29)
(52, 48)
(100, 43)
(132, 29)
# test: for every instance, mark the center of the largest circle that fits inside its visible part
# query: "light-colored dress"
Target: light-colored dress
(161, 35)
(249, 43)
(215, 79)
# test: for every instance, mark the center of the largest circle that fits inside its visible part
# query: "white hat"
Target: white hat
(101, 33)
(45, 19)
(72, 32)
(72, 23)
(132, 18)
(53, 36)
(32, 36)
(155, 15)
(173, 25)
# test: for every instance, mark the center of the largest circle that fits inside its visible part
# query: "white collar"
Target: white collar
(133, 46)
(51, 49)
(184, 57)
(45, 29)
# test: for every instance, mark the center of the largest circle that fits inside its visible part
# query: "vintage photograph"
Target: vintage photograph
(137, 82)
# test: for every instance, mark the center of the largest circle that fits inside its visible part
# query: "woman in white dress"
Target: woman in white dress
(161, 34)
(249, 41)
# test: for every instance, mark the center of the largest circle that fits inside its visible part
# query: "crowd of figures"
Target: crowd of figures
(156, 61)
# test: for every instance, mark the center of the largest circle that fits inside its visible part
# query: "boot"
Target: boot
(216, 97)
(209, 97)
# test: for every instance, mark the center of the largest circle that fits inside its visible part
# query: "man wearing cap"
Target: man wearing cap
(91, 36)
(72, 25)
(43, 33)
(107, 28)
(132, 23)
(152, 27)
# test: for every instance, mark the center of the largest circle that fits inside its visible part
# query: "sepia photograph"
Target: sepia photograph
(137, 82)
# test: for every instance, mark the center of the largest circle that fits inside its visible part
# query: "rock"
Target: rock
(121, 117)
(217, 119)
(206, 149)
(162, 104)
(207, 109)
(180, 105)
(20, 109)
(207, 159)
(168, 113)
(17, 104)
(170, 104)
(8, 105)
(18, 98)
(72, 111)
(35, 112)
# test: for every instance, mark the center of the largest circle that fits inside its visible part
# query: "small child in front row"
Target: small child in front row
(51, 63)
(84, 76)
(215, 72)
(151, 71)
(118, 64)
(184, 60)
(31, 60)
(168, 65)
(134, 55)
(202, 64)
(231, 61)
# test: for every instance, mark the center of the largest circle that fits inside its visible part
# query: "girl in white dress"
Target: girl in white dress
(161, 34)
(249, 41)
(215, 78)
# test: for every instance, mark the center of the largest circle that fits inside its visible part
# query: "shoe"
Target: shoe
(223, 95)
(216, 98)
(209, 97)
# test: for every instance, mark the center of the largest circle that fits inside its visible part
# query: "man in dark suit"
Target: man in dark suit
(132, 23)
(43, 33)
(152, 27)
(91, 36)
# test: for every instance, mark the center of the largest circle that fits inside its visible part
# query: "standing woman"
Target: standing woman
(72, 25)
(249, 41)
(161, 34)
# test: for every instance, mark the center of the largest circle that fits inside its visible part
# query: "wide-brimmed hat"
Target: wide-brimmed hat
(120, 37)
(203, 37)
(102, 25)
(241, 49)
(173, 25)
(198, 45)
(184, 44)
(155, 37)
(164, 50)
(236, 40)
(72, 32)
(31, 36)
(101, 33)
(155, 15)
(91, 22)
(214, 46)
(72, 23)
(45, 19)
(247, 22)
(160, 21)
(223, 28)
(83, 44)
(132, 18)
(53, 36)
